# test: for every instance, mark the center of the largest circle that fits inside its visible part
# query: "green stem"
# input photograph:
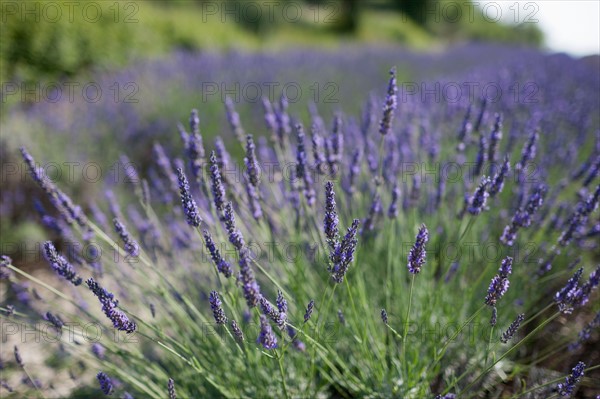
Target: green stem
(410, 294)
(279, 360)
(517, 345)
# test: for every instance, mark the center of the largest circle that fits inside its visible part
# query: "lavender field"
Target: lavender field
(365, 222)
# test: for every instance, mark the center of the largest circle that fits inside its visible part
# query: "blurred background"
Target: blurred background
(84, 80)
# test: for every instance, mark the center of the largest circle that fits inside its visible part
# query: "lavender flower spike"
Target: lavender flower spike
(131, 246)
(216, 306)
(384, 316)
(331, 218)
(506, 267)
(498, 180)
(281, 302)
(216, 183)
(417, 254)
(222, 265)
(309, 310)
(105, 383)
(98, 350)
(252, 167)
(565, 297)
(60, 264)
(109, 306)
(237, 332)
(391, 102)
(18, 357)
(393, 209)
(566, 388)
(512, 329)
(343, 253)
(266, 337)
(246, 277)
(495, 137)
(171, 389)
(235, 236)
(189, 205)
(479, 198)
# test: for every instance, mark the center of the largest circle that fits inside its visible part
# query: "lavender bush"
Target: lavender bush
(306, 268)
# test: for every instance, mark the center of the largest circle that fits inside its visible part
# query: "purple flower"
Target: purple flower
(270, 120)
(498, 180)
(582, 294)
(512, 329)
(331, 218)
(105, 383)
(494, 318)
(237, 332)
(275, 315)
(354, 171)
(109, 306)
(523, 217)
(498, 287)
(479, 198)
(506, 267)
(481, 114)
(249, 285)
(309, 310)
(55, 320)
(334, 145)
(282, 120)
(222, 265)
(235, 236)
(391, 102)
(266, 337)
(164, 166)
(302, 171)
(60, 264)
(393, 209)
(317, 149)
(216, 184)
(566, 388)
(565, 296)
(98, 350)
(254, 201)
(384, 316)
(189, 205)
(216, 306)
(252, 167)
(579, 217)
(234, 120)
(481, 155)
(171, 389)
(417, 254)
(495, 137)
(18, 357)
(528, 152)
(343, 253)
(194, 146)
(132, 248)
(281, 302)
(374, 211)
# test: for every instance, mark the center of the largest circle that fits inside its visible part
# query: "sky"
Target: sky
(571, 26)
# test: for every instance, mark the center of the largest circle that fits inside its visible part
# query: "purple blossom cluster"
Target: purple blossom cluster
(109, 306)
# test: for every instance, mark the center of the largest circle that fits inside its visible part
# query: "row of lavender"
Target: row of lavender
(308, 325)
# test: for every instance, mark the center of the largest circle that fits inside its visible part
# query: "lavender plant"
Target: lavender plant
(251, 287)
